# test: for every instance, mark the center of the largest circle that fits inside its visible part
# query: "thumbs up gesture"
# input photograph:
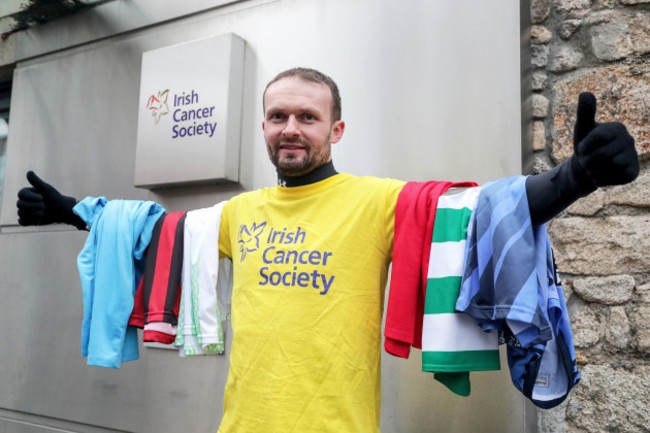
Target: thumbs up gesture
(604, 153)
(42, 204)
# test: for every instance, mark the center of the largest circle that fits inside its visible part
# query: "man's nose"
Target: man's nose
(291, 129)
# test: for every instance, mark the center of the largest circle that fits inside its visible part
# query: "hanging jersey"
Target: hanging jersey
(110, 265)
(452, 343)
(414, 216)
(509, 285)
(200, 330)
(158, 295)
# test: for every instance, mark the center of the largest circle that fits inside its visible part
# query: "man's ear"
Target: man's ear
(337, 131)
(262, 125)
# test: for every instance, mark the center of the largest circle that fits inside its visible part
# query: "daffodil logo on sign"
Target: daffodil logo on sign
(157, 105)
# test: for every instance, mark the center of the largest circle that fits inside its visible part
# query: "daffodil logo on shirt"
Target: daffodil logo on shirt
(249, 239)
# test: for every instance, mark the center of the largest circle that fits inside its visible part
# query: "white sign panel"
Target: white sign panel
(189, 114)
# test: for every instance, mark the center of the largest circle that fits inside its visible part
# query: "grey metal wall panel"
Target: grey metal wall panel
(110, 19)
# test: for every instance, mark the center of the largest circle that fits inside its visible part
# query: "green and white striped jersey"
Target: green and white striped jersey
(452, 343)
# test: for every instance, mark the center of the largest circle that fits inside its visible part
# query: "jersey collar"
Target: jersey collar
(316, 175)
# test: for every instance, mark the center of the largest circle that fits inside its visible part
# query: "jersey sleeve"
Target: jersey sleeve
(392, 192)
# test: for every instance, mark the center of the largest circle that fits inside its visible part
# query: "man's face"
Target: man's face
(298, 127)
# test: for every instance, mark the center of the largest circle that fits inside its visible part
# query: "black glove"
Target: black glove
(42, 204)
(603, 154)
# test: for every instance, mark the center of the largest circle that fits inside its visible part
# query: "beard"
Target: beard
(296, 165)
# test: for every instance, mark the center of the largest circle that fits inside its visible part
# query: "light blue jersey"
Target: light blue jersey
(510, 284)
(110, 266)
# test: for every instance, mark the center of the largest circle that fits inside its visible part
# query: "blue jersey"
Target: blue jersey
(509, 284)
(110, 265)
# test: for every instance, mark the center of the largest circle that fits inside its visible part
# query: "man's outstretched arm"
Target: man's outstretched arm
(604, 154)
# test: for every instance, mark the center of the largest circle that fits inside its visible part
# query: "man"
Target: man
(311, 256)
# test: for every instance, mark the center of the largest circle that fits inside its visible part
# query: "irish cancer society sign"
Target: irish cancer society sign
(189, 113)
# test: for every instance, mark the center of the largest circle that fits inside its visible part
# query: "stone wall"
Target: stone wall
(602, 242)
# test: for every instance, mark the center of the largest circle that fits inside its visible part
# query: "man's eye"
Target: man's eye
(309, 117)
(277, 116)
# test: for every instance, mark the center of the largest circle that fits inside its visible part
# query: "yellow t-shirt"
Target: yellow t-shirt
(310, 268)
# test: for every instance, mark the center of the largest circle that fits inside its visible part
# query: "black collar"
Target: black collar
(316, 175)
